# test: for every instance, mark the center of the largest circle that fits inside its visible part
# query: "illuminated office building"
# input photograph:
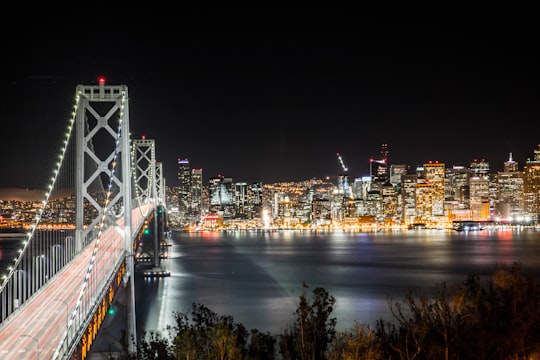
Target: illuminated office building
(531, 186)
(241, 199)
(360, 187)
(196, 192)
(424, 205)
(479, 183)
(214, 193)
(256, 198)
(457, 188)
(511, 165)
(434, 176)
(389, 201)
(509, 204)
(378, 169)
(184, 187)
(408, 197)
(221, 193)
(479, 168)
(396, 173)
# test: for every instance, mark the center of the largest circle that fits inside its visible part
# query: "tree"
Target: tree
(357, 344)
(154, 346)
(203, 334)
(314, 329)
(262, 345)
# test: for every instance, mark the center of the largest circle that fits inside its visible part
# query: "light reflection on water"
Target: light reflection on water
(256, 277)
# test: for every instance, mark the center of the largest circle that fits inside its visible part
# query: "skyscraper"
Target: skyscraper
(531, 186)
(196, 192)
(241, 198)
(509, 190)
(256, 198)
(184, 188)
(511, 165)
(379, 168)
(435, 178)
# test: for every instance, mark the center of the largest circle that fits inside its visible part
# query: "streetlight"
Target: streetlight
(57, 258)
(34, 275)
(38, 271)
(20, 287)
(67, 316)
(37, 344)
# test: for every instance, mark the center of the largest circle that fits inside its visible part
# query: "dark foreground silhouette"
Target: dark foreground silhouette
(494, 319)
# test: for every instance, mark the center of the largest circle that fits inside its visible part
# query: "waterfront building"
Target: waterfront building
(285, 213)
(321, 212)
(479, 182)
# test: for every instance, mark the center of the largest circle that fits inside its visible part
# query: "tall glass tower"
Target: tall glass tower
(184, 188)
(196, 192)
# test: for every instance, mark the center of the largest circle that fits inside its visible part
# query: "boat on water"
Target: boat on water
(468, 225)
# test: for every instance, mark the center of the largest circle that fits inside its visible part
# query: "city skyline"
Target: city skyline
(279, 106)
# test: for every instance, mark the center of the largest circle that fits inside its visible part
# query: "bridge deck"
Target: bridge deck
(38, 327)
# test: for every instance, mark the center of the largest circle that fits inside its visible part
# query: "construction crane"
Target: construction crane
(343, 179)
(342, 163)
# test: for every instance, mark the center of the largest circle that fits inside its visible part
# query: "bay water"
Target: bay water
(256, 276)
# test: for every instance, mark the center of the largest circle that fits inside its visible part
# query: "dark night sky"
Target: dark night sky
(278, 105)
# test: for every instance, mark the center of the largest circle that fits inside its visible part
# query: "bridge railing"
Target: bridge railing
(43, 253)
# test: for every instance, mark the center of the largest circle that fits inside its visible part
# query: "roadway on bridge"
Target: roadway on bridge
(36, 330)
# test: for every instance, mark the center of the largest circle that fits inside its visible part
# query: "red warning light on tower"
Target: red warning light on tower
(101, 80)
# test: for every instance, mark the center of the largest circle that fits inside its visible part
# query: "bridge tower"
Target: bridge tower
(160, 183)
(149, 183)
(104, 162)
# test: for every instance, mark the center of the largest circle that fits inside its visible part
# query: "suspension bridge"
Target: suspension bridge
(106, 194)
